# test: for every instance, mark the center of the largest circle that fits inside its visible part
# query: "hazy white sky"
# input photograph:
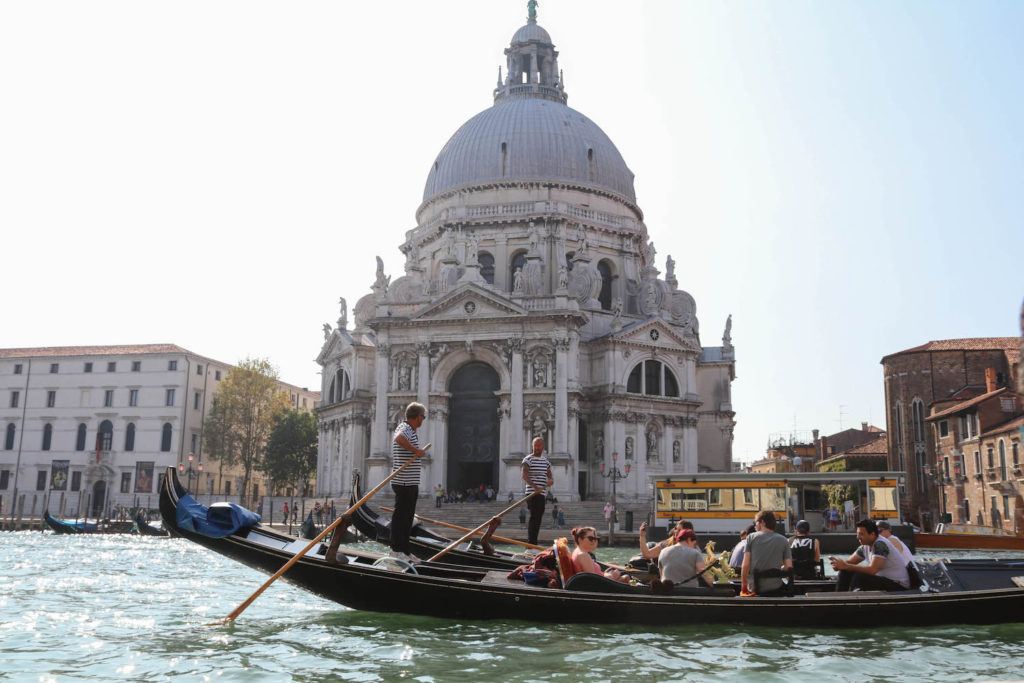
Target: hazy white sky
(844, 178)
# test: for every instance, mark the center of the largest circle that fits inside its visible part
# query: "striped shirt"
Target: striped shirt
(410, 476)
(539, 467)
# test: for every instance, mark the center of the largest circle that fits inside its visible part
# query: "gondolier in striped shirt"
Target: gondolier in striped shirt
(404, 446)
(537, 475)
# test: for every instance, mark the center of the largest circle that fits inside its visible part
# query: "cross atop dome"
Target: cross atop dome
(531, 63)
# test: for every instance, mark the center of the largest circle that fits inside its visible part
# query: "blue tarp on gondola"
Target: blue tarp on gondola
(217, 521)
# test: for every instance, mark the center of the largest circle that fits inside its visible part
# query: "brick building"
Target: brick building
(928, 379)
(979, 473)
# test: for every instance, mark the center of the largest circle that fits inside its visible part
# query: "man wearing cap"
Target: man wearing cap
(681, 562)
(875, 565)
(765, 550)
(806, 552)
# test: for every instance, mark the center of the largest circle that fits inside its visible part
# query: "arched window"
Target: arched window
(344, 386)
(47, 436)
(652, 378)
(1002, 459)
(129, 437)
(330, 394)
(80, 438)
(605, 297)
(486, 267)
(9, 438)
(917, 413)
(518, 262)
(165, 438)
(105, 437)
(897, 430)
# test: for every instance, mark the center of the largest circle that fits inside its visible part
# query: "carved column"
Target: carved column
(561, 396)
(379, 439)
(516, 444)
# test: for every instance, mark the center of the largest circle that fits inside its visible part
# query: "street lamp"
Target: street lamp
(616, 476)
(197, 471)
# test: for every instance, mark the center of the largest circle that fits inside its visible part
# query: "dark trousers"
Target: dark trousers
(535, 504)
(402, 517)
(848, 581)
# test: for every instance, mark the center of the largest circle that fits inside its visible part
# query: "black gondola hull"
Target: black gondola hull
(468, 593)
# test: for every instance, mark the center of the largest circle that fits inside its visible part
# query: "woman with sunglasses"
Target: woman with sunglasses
(586, 543)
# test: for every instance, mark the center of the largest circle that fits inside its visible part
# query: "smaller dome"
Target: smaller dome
(530, 32)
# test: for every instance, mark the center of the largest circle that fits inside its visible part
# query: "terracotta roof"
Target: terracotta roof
(1009, 344)
(843, 441)
(120, 349)
(966, 404)
(879, 446)
(1011, 426)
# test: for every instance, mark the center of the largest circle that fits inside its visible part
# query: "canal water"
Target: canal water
(132, 608)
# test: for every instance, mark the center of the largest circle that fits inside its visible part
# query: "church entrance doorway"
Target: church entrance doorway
(473, 427)
(99, 498)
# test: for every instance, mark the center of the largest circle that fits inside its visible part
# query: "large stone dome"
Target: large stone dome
(530, 139)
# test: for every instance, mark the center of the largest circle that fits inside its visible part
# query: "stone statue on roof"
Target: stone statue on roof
(531, 11)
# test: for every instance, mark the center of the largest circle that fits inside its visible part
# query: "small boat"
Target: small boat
(64, 526)
(147, 529)
(424, 543)
(959, 591)
(969, 536)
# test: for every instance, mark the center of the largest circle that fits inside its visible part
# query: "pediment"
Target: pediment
(469, 301)
(335, 345)
(656, 333)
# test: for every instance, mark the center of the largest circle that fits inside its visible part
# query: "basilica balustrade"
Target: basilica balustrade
(521, 209)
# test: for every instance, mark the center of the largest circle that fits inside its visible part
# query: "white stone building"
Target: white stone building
(531, 304)
(91, 427)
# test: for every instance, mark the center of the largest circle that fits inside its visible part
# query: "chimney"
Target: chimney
(824, 447)
(814, 434)
(863, 426)
(990, 380)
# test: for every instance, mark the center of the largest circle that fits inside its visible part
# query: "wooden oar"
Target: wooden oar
(501, 514)
(500, 539)
(288, 565)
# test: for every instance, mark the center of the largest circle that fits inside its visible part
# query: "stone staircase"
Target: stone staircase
(576, 513)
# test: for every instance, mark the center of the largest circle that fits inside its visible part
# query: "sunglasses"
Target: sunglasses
(591, 538)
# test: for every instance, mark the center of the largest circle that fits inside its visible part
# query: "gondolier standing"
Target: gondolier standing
(537, 475)
(404, 446)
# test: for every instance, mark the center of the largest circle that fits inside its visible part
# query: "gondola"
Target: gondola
(965, 591)
(424, 543)
(147, 529)
(62, 526)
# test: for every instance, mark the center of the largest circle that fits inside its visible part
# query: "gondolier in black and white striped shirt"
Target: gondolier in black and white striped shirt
(537, 475)
(404, 446)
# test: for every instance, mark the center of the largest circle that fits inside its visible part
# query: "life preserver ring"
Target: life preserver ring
(566, 567)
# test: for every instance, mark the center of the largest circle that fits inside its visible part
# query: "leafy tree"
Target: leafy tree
(248, 400)
(219, 439)
(290, 455)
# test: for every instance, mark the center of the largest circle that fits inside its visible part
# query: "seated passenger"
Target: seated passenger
(682, 561)
(655, 549)
(766, 550)
(875, 565)
(885, 531)
(736, 557)
(586, 540)
(806, 552)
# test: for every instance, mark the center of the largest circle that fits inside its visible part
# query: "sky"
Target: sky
(843, 178)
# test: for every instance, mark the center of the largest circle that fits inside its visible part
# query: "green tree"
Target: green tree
(290, 454)
(248, 400)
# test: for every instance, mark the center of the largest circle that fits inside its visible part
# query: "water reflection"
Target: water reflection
(121, 607)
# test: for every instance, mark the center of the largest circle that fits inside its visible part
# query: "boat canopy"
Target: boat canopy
(217, 521)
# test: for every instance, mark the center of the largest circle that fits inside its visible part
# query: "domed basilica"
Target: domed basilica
(531, 305)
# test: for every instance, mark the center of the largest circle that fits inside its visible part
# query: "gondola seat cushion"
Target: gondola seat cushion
(217, 521)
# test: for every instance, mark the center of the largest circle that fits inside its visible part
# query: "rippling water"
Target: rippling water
(134, 608)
